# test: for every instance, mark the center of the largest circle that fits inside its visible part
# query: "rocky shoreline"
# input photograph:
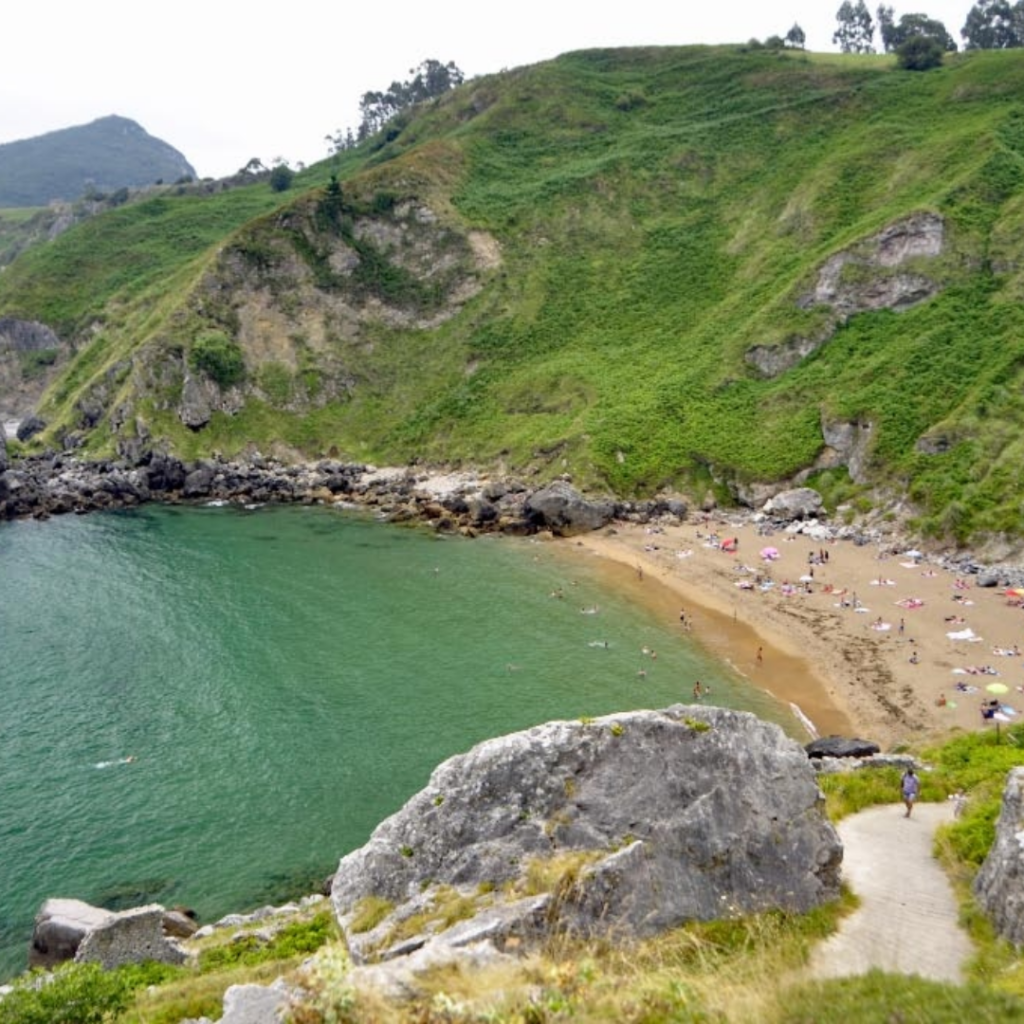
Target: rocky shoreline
(60, 484)
(454, 501)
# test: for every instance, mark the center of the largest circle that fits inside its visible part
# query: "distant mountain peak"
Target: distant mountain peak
(109, 153)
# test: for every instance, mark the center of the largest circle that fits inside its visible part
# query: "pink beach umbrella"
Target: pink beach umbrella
(769, 554)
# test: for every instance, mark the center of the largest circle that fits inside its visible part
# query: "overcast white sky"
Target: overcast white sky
(223, 81)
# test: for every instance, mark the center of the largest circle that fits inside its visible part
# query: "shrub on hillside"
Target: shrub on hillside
(219, 357)
(919, 53)
(78, 993)
(281, 178)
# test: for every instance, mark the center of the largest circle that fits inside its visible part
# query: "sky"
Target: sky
(225, 81)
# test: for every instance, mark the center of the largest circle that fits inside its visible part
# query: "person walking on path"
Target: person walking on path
(910, 786)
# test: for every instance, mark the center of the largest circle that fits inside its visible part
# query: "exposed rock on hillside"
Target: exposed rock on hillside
(30, 355)
(297, 298)
(624, 825)
(881, 272)
(1000, 883)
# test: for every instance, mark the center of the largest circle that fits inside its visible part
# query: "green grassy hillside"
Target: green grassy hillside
(651, 220)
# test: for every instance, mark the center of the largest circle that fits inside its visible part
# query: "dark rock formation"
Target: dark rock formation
(563, 510)
(999, 885)
(29, 427)
(837, 746)
(640, 821)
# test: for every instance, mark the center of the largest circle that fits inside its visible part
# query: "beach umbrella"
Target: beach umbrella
(806, 579)
(997, 688)
(913, 553)
(1000, 717)
(769, 554)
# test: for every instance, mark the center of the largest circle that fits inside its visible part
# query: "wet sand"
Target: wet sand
(823, 651)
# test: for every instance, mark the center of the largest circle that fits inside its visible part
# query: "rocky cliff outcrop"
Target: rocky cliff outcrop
(30, 356)
(624, 825)
(999, 885)
(298, 297)
(884, 271)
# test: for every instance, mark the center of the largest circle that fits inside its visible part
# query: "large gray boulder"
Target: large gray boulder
(559, 507)
(60, 926)
(130, 937)
(799, 503)
(68, 929)
(999, 885)
(253, 1004)
(637, 822)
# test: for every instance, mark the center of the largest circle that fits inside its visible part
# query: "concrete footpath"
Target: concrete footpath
(907, 920)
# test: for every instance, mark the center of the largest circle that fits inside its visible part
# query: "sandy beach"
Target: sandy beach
(860, 643)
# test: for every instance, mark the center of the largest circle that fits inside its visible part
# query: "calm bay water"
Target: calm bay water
(282, 680)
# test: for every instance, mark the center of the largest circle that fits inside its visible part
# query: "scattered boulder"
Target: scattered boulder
(999, 885)
(640, 821)
(253, 1004)
(799, 503)
(29, 427)
(68, 929)
(60, 927)
(837, 746)
(180, 923)
(129, 937)
(560, 508)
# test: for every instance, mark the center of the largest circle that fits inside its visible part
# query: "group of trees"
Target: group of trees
(994, 25)
(430, 79)
(919, 41)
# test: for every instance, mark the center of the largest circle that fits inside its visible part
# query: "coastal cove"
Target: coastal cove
(281, 679)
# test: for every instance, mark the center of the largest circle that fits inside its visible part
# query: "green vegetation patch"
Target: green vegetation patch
(298, 938)
(79, 993)
(219, 357)
(878, 998)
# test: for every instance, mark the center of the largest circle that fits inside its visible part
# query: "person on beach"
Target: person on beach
(910, 786)
(697, 691)
(760, 655)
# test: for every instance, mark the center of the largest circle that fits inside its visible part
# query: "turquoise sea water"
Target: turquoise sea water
(283, 680)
